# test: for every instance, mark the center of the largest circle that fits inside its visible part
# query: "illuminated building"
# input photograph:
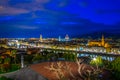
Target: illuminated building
(99, 43)
(32, 39)
(67, 37)
(102, 41)
(41, 39)
(59, 38)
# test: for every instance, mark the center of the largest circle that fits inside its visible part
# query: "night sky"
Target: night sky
(53, 18)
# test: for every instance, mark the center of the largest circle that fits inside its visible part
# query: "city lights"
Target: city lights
(59, 40)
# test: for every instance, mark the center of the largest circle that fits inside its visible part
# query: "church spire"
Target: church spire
(103, 40)
(41, 39)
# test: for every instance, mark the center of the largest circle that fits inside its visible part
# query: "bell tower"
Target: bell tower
(41, 39)
(59, 38)
(103, 41)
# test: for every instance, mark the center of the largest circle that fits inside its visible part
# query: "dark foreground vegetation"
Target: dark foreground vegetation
(100, 69)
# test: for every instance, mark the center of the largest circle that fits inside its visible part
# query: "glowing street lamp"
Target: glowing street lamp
(94, 59)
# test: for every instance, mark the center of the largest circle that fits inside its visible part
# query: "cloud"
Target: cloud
(12, 11)
(4, 2)
(69, 23)
(15, 7)
(6, 8)
(27, 27)
(107, 11)
(42, 1)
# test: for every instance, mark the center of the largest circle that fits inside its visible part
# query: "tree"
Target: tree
(5, 78)
(115, 66)
(13, 55)
(65, 55)
(98, 62)
(7, 61)
(37, 58)
(70, 56)
(1, 59)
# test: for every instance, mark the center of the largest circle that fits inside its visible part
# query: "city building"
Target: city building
(64, 39)
(99, 43)
(41, 39)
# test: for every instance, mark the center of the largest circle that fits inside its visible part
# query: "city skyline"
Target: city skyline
(59, 39)
(29, 18)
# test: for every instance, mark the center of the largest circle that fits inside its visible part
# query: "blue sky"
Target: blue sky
(51, 18)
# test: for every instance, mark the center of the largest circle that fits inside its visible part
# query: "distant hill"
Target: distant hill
(115, 34)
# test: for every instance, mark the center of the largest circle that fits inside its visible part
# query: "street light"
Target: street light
(94, 59)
